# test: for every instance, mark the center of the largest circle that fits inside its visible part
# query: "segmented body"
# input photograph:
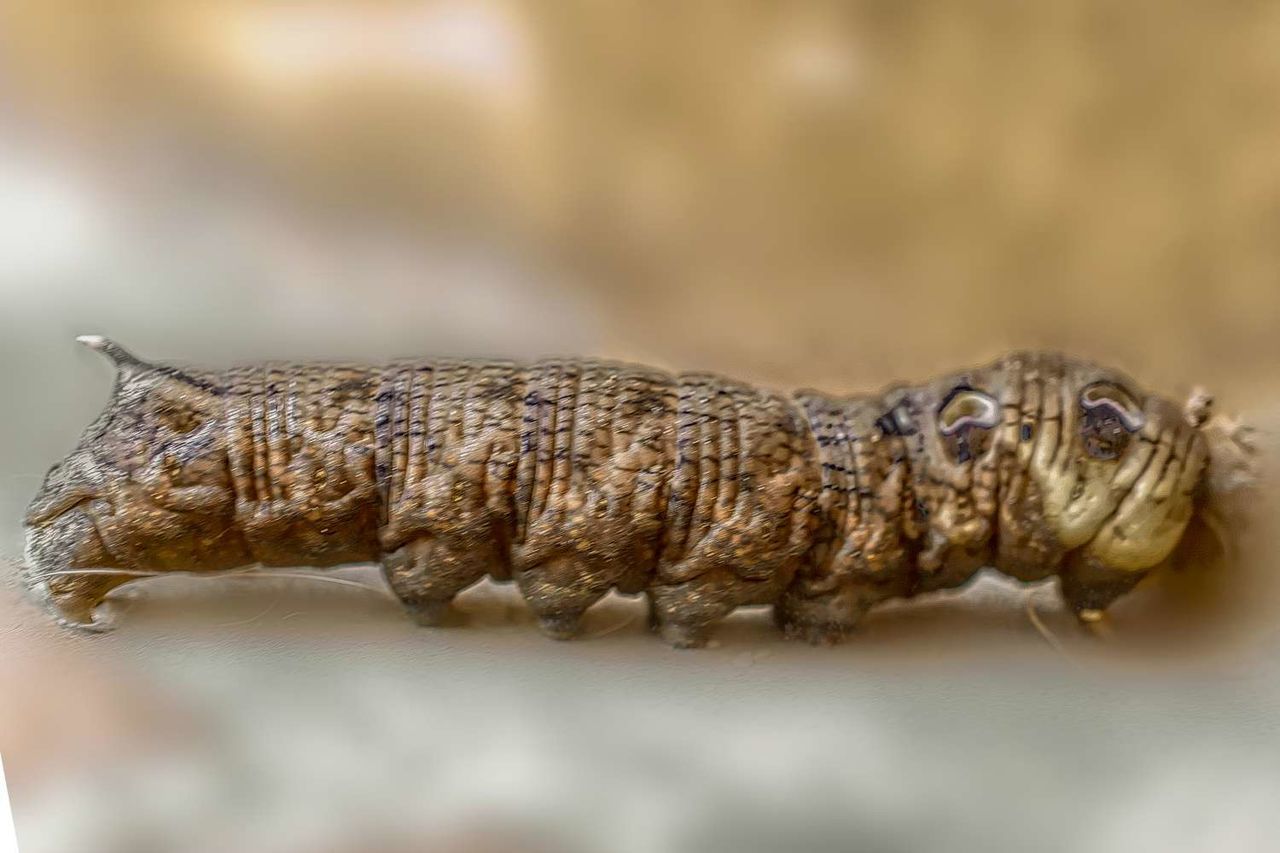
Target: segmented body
(570, 477)
(575, 477)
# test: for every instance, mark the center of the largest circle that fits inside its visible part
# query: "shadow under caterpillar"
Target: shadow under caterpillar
(576, 477)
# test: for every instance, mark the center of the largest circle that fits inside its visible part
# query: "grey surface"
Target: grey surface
(330, 716)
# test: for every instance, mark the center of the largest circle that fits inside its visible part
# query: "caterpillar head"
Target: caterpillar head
(146, 490)
(1116, 470)
(1040, 464)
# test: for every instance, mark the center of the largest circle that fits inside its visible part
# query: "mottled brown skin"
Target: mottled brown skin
(576, 477)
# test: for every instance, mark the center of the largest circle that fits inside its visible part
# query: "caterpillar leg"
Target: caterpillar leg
(559, 591)
(1096, 622)
(1089, 588)
(820, 620)
(427, 573)
(684, 614)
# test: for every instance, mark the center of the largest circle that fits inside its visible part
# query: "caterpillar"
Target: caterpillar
(573, 478)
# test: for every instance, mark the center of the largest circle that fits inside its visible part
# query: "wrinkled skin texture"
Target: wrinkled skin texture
(572, 478)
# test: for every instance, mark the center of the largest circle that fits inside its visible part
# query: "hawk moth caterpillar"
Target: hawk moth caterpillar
(576, 477)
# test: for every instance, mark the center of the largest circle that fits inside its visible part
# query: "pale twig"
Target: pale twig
(1034, 616)
(71, 572)
(323, 578)
(611, 630)
(255, 574)
(275, 602)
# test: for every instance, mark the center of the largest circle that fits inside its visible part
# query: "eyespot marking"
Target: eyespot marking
(967, 407)
(1110, 416)
(1108, 395)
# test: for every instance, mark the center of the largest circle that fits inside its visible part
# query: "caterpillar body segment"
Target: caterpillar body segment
(572, 478)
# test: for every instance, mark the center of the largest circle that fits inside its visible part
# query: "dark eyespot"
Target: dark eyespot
(965, 407)
(1120, 403)
(1109, 414)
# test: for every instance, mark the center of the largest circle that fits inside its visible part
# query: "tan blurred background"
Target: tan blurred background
(798, 193)
(810, 192)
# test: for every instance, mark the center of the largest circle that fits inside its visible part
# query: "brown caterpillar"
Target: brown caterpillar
(576, 477)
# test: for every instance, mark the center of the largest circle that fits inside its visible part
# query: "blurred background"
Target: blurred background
(823, 194)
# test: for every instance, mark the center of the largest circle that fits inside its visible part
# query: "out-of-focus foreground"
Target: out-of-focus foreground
(826, 194)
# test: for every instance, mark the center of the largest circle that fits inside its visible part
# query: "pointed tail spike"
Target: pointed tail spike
(124, 360)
